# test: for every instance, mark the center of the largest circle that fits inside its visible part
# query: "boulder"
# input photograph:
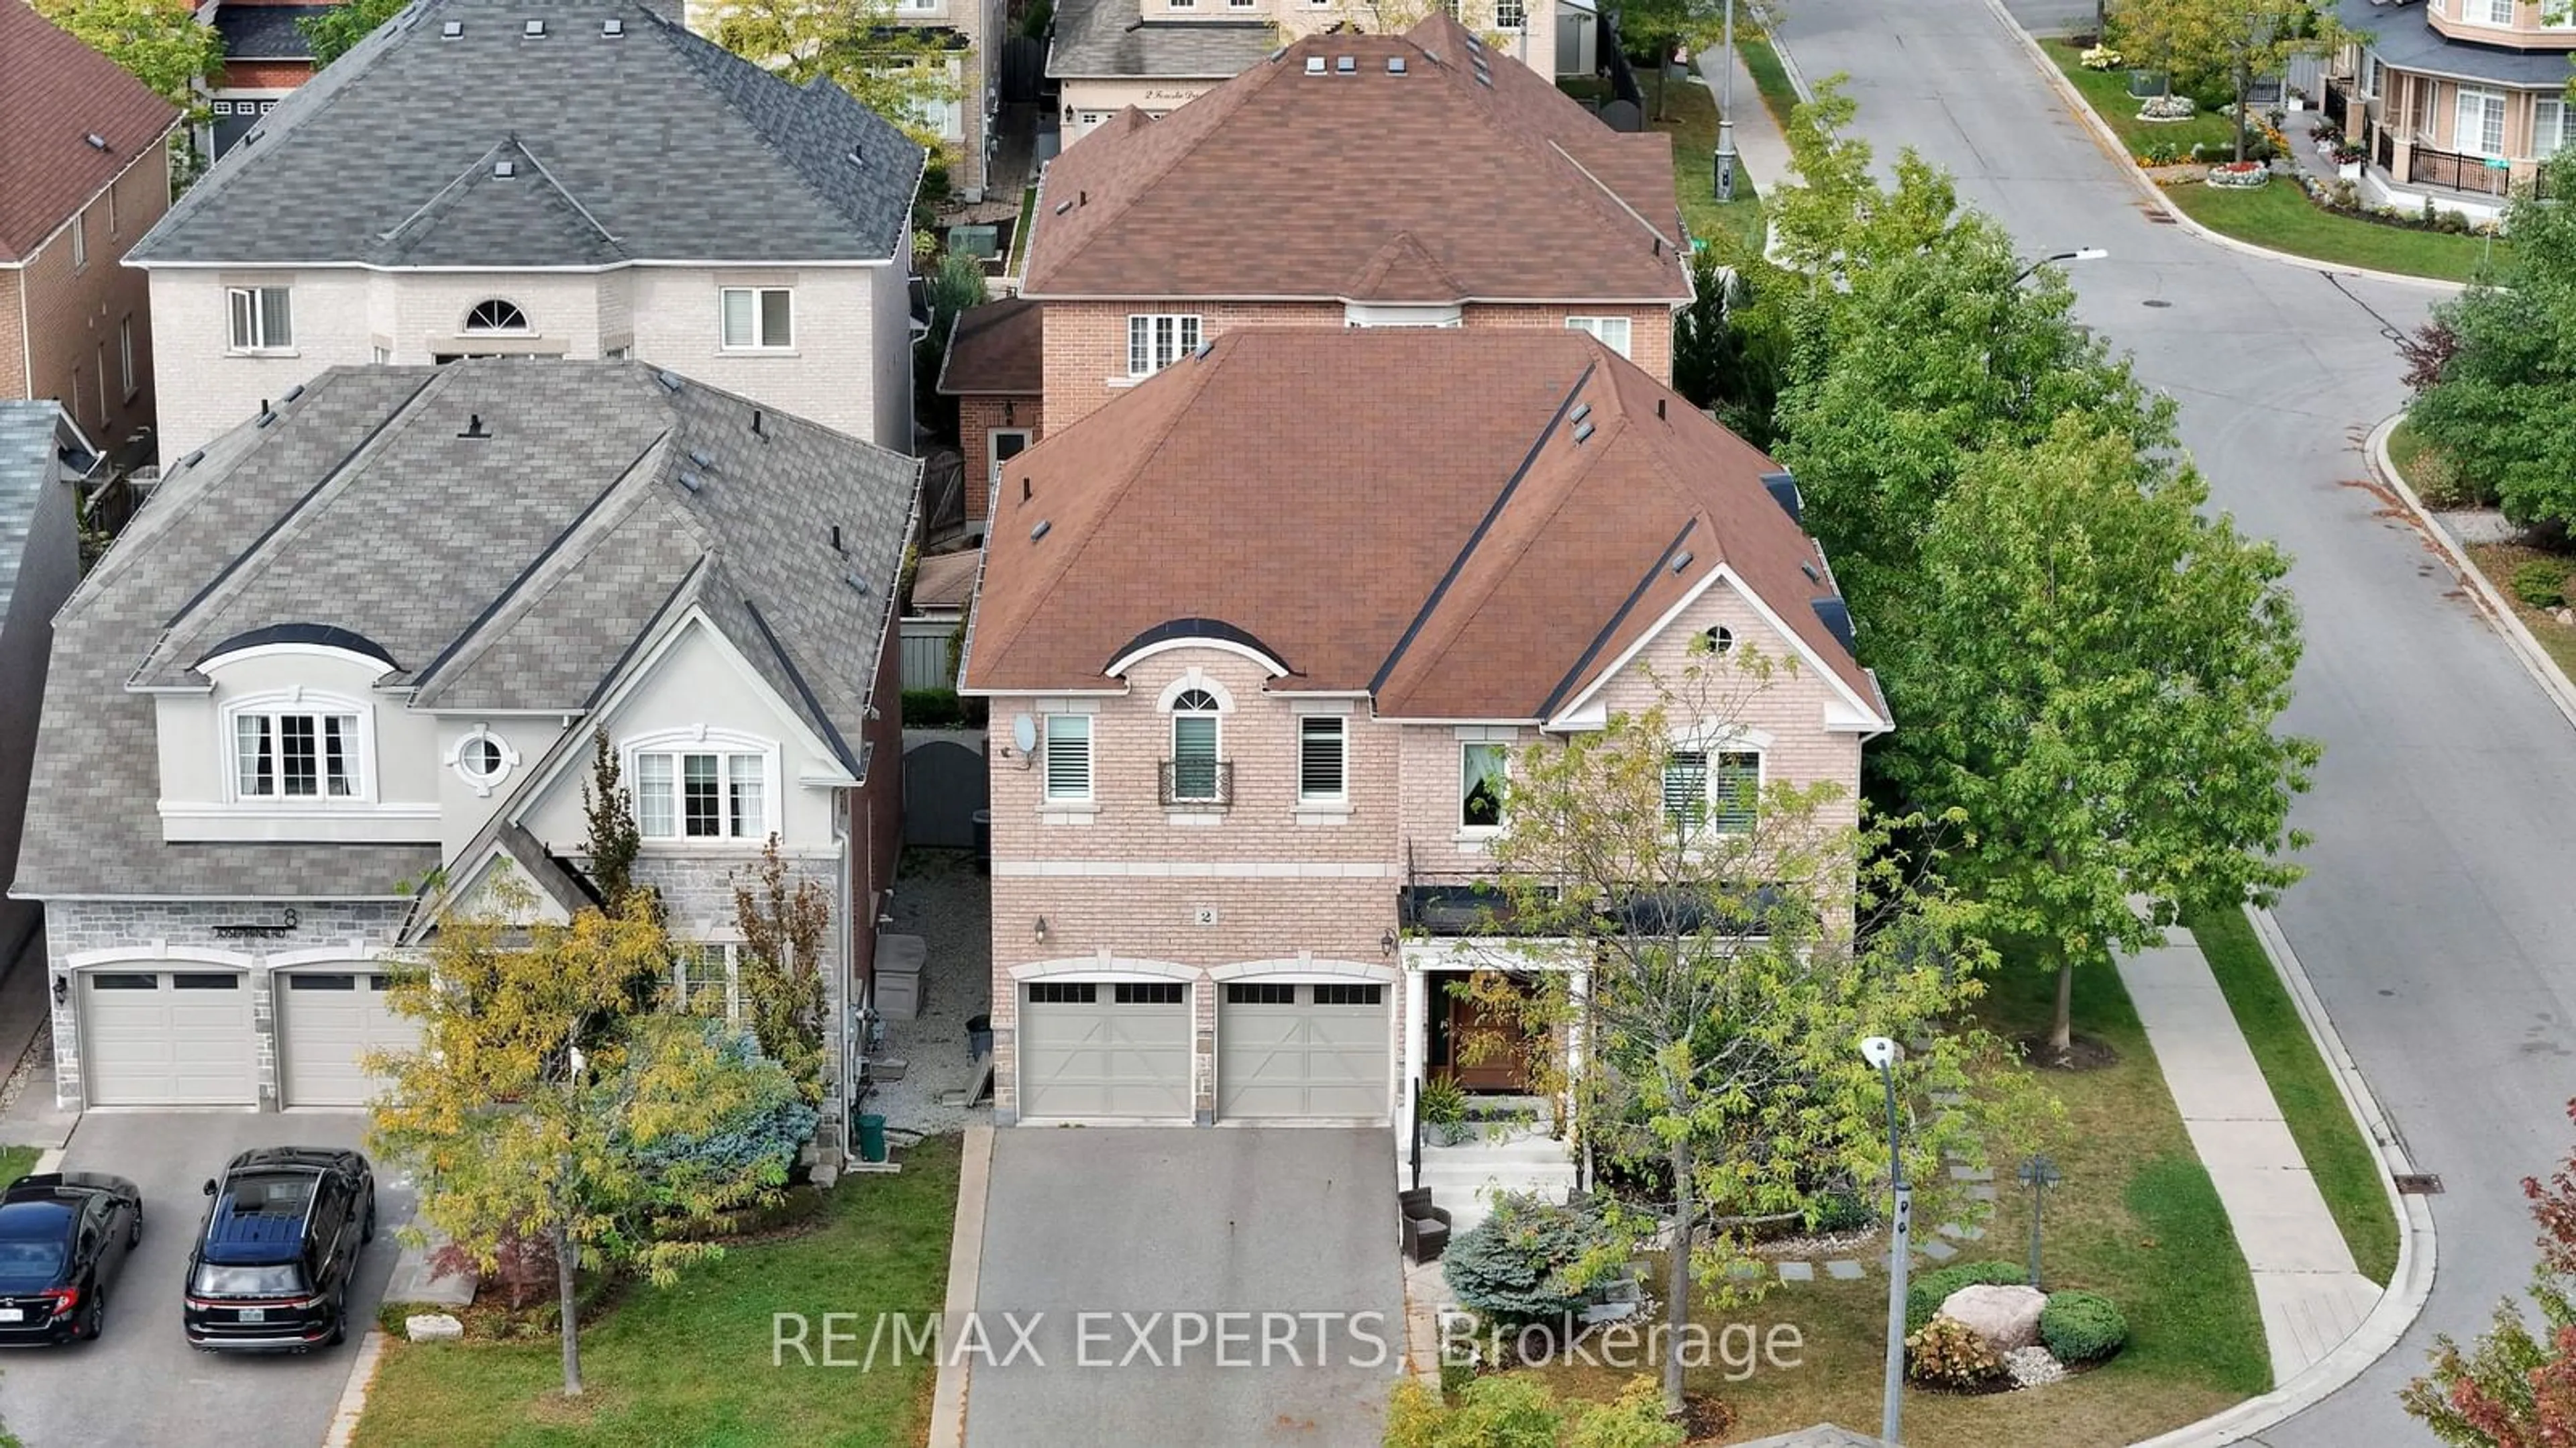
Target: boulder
(2006, 1317)
(433, 1327)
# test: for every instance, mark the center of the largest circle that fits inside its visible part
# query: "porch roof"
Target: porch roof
(2402, 37)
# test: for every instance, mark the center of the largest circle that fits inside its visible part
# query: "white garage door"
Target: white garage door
(1105, 1048)
(329, 1021)
(1302, 1050)
(168, 1038)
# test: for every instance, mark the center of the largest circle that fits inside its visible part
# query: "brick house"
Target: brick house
(84, 173)
(1490, 200)
(1257, 637)
(331, 679)
(2454, 102)
(266, 56)
(993, 369)
(753, 233)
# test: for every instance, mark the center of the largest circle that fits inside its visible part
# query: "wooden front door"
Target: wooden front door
(1468, 1019)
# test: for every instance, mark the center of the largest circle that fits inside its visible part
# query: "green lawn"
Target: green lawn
(1770, 77)
(1021, 229)
(2338, 1156)
(1691, 120)
(16, 1161)
(2136, 1219)
(692, 1363)
(2282, 217)
(2108, 93)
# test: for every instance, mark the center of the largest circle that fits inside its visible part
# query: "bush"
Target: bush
(2161, 152)
(942, 709)
(1839, 1209)
(523, 1267)
(2082, 1327)
(1513, 1266)
(757, 1144)
(2101, 57)
(1947, 1353)
(1518, 1411)
(1634, 1420)
(2542, 583)
(1925, 1294)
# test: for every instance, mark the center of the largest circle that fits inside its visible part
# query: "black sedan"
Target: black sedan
(64, 1237)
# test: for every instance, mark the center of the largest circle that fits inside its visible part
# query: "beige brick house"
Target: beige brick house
(993, 370)
(2455, 101)
(1414, 180)
(84, 172)
(1257, 636)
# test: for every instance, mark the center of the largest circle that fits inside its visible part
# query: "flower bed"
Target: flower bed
(2101, 57)
(2343, 197)
(2166, 109)
(2240, 175)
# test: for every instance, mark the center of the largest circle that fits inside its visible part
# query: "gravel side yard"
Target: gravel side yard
(939, 897)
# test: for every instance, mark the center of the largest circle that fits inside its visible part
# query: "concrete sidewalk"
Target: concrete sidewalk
(2311, 1295)
(1761, 149)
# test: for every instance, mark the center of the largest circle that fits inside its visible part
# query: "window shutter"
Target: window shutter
(1686, 786)
(1739, 783)
(1320, 762)
(1068, 756)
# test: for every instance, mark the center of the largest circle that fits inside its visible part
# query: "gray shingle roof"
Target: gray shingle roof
(266, 32)
(31, 443)
(2405, 39)
(556, 542)
(1095, 38)
(654, 145)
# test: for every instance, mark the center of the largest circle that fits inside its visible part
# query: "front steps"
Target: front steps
(1464, 1178)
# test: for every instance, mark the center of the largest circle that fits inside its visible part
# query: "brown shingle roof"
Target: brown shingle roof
(996, 347)
(1403, 511)
(1450, 181)
(55, 93)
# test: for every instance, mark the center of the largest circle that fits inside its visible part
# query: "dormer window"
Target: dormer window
(496, 315)
(306, 748)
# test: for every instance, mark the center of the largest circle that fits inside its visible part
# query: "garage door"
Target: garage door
(330, 1021)
(1105, 1048)
(168, 1038)
(1302, 1050)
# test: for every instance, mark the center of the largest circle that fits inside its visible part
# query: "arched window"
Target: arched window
(496, 315)
(1194, 771)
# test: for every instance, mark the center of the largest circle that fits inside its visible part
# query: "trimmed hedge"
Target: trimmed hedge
(1925, 1294)
(2541, 583)
(2082, 1327)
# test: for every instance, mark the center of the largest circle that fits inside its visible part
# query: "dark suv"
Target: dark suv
(273, 1267)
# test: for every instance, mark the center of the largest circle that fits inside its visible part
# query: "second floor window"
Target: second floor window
(1612, 331)
(759, 318)
(1194, 745)
(263, 318)
(701, 795)
(289, 754)
(1068, 757)
(1509, 15)
(80, 239)
(1480, 786)
(1711, 791)
(1156, 340)
(1323, 761)
(496, 315)
(2494, 12)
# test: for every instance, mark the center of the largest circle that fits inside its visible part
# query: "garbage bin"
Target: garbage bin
(983, 842)
(979, 1037)
(872, 1145)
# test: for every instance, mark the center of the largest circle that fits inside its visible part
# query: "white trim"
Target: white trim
(1126, 661)
(376, 668)
(1199, 869)
(481, 784)
(295, 699)
(1305, 969)
(722, 744)
(759, 322)
(1672, 301)
(1102, 967)
(265, 807)
(1196, 678)
(1486, 734)
(1711, 737)
(1322, 704)
(1868, 717)
(353, 952)
(158, 953)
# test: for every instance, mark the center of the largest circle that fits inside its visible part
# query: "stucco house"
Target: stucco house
(334, 675)
(1259, 634)
(1488, 200)
(1157, 55)
(584, 180)
(84, 173)
(2458, 101)
(43, 462)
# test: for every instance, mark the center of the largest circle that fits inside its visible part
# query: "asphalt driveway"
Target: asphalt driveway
(1196, 1287)
(141, 1384)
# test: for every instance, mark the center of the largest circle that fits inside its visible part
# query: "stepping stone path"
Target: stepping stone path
(1937, 1251)
(1797, 1271)
(1957, 1233)
(1844, 1271)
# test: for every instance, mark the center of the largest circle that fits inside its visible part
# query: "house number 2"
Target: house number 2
(1203, 915)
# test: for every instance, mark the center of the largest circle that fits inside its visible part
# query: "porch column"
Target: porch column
(1416, 1023)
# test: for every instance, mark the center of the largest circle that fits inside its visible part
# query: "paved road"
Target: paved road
(142, 1386)
(1290, 1229)
(2437, 918)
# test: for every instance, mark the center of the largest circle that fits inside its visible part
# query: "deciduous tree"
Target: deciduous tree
(1740, 946)
(898, 71)
(784, 919)
(2501, 405)
(2234, 41)
(332, 33)
(158, 42)
(2090, 671)
(2515, 1387)
(514, 1131)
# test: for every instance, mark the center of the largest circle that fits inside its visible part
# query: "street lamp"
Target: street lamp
(2081, 253)
(1880, 1052)
(1725, 180)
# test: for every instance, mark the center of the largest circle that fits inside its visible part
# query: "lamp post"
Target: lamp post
(1725, 180)
(2081, 253)
(1880, 1052)
(2039, 1174)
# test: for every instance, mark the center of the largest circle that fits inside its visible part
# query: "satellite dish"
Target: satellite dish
(1024, 733)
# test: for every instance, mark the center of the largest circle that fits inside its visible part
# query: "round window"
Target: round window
(481, 759)
(1720, 639)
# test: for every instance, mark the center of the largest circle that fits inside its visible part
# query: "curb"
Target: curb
(965, 1271)
(2104, 136)
(353, 1396)
(2534, 659)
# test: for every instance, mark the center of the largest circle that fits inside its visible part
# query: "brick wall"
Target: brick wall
(77, 316)
(13, 337)
(1086, 342)
(1650, 329)
(977, 416)
(264, 75)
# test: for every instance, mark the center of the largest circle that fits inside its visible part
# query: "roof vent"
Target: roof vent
(1659, 409)
(1472, 42)
(1064, 206)
(474, 426)
(1784, 491)
(836, 539)
(505, 169)
(450, 29)
(192, 459)
(855, 581)
(1395, 65)
(1040, 530)
(1484, 77)
(1274, 55)
(293, 393)
(670, 381)
(265, 415)
(612, 27)
(536, 30)
(1681, 560)
(1314, 65)
(97, 142)
(1346, 65)
(1582, 433)
(1203, 348)
(702, 460)
(1837, 620)
(1809, 569)
(755, 425)
(858, 155)
(691, 481)
(1581, 411)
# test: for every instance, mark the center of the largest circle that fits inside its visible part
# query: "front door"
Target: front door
(1459, 1023)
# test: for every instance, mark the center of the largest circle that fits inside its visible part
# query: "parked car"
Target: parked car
(63, 1238)
(273, 1267)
